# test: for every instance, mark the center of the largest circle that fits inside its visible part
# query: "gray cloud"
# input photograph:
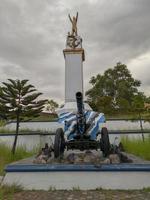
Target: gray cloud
(33, 34)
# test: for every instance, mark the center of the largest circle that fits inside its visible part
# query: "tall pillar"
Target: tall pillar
(73, 73)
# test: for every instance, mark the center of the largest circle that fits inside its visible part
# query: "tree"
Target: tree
(104, 104)
(2, 114)
(18, 101)
(116, 83)
(138, 103)
(123, 104)
(51, 105)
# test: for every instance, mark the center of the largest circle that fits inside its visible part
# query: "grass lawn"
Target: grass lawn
(137, 146)
(7, 157)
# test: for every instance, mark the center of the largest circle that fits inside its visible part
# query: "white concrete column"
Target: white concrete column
(73, 73)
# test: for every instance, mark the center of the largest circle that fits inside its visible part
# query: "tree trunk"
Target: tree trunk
(141, 126)
(16, 135)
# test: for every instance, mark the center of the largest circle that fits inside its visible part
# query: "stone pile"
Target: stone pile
(77, 157)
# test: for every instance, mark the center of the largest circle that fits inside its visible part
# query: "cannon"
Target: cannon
(81, 130)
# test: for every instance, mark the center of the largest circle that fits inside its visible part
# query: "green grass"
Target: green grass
(137, 146)
(76, 188)
(7, 157)
(8, 191)
(52, 188)
(147, 189)
(128, 116)
(45, 118)
(2, 123)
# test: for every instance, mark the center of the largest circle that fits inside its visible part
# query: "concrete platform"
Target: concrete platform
(84, 176)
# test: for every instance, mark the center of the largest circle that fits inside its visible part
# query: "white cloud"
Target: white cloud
(140, 68)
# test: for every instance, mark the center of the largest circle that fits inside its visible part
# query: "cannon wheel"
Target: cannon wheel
(59, 143)
(104, 142)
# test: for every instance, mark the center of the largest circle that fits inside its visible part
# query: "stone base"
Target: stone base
(88, 171)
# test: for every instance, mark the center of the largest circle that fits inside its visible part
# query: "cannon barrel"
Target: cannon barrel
(79, 99)
(81, 121)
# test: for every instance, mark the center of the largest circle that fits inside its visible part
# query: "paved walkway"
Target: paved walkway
(81, 195)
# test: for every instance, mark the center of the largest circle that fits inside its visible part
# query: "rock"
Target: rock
(121, 146)
(78, 158)
(40, 160)
(89, 157)
(71, 158)
(43, 161)
(114, 158)
(75, 158)
(106, 161)
(124, 158)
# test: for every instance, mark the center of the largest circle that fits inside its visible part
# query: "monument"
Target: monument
(74, 58)
(85, 175)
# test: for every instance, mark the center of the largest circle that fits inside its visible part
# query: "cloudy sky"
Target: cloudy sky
(33, 34)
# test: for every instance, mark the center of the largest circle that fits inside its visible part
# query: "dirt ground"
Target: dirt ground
(80, 195)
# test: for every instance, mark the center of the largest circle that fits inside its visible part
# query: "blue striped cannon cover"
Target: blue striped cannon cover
(93, 119)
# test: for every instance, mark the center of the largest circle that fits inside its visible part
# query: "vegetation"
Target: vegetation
(2, 123)
(51, 106)
(52, 188)
(8, 191)
(18, 101)
(127, 116)
(116, 91)
(76, 188)
(137, 147)
(48, 117)
(7, 157)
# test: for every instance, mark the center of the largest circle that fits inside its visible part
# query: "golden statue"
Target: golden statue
(74, 24)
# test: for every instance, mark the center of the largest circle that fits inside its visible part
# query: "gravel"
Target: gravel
(82, 195)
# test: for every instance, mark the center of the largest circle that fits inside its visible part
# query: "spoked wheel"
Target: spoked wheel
(59, 143)
(104, 142)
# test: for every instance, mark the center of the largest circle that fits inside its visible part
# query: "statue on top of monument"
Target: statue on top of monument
(74, 24)
(73, 39)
